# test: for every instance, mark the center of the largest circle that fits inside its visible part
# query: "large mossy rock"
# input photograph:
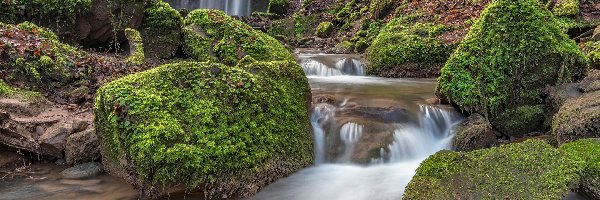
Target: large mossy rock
(226, 130)
(587, 151)
(510, 54)
(161, 30)
(529, 170)
(407, 50)
(211, 35)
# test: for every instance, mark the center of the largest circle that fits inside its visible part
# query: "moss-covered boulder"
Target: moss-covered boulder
(161, 30)
(324, 29)
(587, 151)
(578, 118)
(529, 170)
(225, 130)
(510, 54)
(211, 35)
(474, 133)
(400, 45)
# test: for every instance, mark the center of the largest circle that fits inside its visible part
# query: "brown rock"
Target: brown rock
(578, 118)
(591, 82)
(12, 159)
(82, 147)
(474, 133)
(54, 139)
(596, 35)
(558, 95)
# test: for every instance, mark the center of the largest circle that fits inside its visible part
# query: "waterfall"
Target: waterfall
(345, 66)
(315, 68)
(231, 7)
(385, 178)
(349, 134)
(322, 115)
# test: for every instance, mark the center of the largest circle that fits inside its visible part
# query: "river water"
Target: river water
(370, 135)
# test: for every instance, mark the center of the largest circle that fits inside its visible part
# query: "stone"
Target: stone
(11, 159)
(591, 82)
(474, 133)
(82, 147)
(578, 118)
(531, 169)
(54, 139)
(556, 96)
(85, 170)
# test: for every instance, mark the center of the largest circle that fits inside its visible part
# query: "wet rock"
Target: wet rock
(578, 118)
(82, 147)
(474, 133)
(591, 82)
(12, 159)
(60, 162)
(385, 115)
(324, 98)
(85, 170)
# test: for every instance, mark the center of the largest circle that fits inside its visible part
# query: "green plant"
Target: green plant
(136, 46)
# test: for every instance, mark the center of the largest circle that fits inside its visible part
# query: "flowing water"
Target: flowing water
(231, 7)
(370, 135)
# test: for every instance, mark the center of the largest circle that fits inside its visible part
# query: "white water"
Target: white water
(231, 7)
(339, 173)
(345, 66)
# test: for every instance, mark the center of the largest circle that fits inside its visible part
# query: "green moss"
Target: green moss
(361, 45)
(529, 170)
(594, 53)
(211, 35)
(401, 42)
(11, 92)
(586, 151)
(279, 7)
(379, 8)
(136, 45)
(193, 122)
(521, 120)
(161, 30)
(511, 52)
(12, 11)
(566, 8)
(324, 29)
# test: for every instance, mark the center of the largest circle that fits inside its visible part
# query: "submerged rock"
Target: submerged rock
(227, 130)
(84, 170)
(502, 65)
(529, 170)
(474, 133)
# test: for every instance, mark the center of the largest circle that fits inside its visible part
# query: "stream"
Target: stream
(370, 136)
